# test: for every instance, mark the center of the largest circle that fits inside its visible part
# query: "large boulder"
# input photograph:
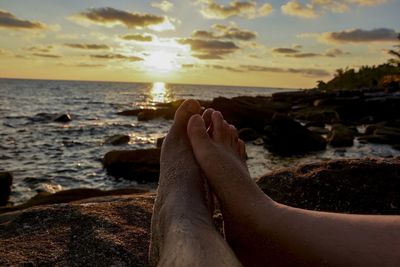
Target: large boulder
(382, 135)
(248, 112)
(284, 136)
(106, 231)
(365, 186)
(340, 136)
(5, 187)
(142, 165)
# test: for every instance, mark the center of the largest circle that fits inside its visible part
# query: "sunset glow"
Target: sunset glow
(276, 43)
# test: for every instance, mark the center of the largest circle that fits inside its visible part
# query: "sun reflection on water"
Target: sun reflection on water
(160, 93)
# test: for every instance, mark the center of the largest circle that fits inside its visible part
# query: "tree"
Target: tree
(395, 53)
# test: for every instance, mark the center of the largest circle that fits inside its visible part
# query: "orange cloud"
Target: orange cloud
(109, 16)
(247, 9)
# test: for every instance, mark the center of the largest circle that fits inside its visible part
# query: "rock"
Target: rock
(340, 136)
(382, 135)
(160, 141)
(247, 112)
(318, 130)
(5, 187)
(365, 186)
(106, 231)
(66, 196)
(62, 118)
(118, 139)
(142, 165)
(258, 142)
(285, 137)
(316, 116)
(248, 134)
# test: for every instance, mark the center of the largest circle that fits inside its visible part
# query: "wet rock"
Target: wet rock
(248, 134)
(62, 118)
(118, 139)
(258, 142)
(340, 136)
(105, 231)
(285, 136)
(318, 130)
(316, 116)
(365, 186)
(142, 165)
(382, 135)
(6, 179)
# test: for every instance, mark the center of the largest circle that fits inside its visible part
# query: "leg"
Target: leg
(182, 230)
(263, 232)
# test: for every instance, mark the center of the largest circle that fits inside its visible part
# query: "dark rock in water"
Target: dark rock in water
(340, 136)
(160, 142)
(141, 165)
(318, 130)
(5, 187)
(248, 134)
(316, 116)
(258, 142)
(118, 139)
(382, 135)
(285, 136)
(132, 112)
(365, 186)
(62, 118)
(106, 231)
(248, 112)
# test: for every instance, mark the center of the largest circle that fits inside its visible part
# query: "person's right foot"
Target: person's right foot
(221, 156)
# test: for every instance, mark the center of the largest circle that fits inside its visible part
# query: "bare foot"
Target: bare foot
(182, 229)
(221, 156)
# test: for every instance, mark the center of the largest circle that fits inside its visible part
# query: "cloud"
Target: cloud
(225, 32)
(294, 8)
(285, 50)
(163, 5)
(116, 57)
(137, 37)
(368, 2)
(10, 21)
(46, 55)
(309, 72)
(88, 46)
(86, 65)
(297, 53)
(209, 49)
(40, 48)
(360, 36)
(246, 9)
(109, 16)
(315, 8)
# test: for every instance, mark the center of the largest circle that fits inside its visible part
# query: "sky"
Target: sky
(273, 43)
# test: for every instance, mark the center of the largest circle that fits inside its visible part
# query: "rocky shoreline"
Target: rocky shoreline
(93, 227)
(113, 228)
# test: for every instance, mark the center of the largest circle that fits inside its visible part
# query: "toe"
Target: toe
(207, 120)
(234, 138)
(197, 132)
(218, 133)
(185, 111)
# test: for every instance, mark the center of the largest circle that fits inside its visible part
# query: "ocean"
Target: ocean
(48, 156)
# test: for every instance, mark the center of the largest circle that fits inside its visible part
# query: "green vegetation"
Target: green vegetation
(366, 76)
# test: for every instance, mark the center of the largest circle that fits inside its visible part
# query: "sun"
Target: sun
(161, 61)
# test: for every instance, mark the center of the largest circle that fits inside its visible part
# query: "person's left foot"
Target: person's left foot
(181, 220)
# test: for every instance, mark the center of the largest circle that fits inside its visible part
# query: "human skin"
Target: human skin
(265, 233)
